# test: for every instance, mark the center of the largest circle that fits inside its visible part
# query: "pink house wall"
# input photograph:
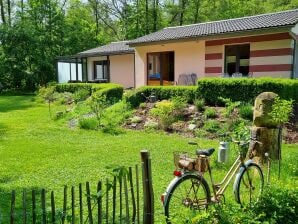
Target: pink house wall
(122, 69)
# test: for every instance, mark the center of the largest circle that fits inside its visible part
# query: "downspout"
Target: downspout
(294, 64)
(134, 70)
(109, 75)
(77, 69)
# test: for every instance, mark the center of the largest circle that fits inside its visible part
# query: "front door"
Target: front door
(160, 68)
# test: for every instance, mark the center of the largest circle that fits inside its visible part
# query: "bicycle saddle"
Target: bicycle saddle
(205, 152)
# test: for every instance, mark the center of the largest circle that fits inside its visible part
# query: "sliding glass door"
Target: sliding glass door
(237, 59)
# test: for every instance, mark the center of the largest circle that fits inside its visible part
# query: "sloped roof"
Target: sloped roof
(113, 48)
(269, 20)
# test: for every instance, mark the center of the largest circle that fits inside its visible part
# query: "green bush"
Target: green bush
(200, 104)
(164, 111)
(212, 126)
(137, 96)
(112, 91)
(81, 95)
(246, 111)
(210, 112)
(245, 89)
(89, 123)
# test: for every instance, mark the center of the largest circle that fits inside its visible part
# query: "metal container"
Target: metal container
(223, 152)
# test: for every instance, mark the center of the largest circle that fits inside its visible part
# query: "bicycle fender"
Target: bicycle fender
(238, 175)
(173, 183)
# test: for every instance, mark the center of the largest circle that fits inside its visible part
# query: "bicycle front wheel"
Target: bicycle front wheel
(188, 196)
(249, 185)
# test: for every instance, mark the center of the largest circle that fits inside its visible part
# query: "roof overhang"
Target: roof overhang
(99, 54)
(253, 32)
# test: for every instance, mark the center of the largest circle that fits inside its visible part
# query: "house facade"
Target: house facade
(256, 46)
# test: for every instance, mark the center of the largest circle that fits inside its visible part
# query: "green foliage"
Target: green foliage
(210, 112)
(212, 126)
(113, 92)
(98, 103)
(162, 93)
(164, 111)
(81, 95)
(230, 106)
(281, 110)
(49, 95)
(200, 104)
(246, 111)
(241, 131)
(245, 89)
(114, 116)
(89, 123)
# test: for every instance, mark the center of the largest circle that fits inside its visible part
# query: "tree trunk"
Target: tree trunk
(196, 17)
(9, 11)
(183, 5)
(156, 5)
(2, 12)
(147, 17)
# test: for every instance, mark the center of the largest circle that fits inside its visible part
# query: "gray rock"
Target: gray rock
(191, 127)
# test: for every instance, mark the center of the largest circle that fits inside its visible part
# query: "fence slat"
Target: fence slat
(12, 207)
(64, 204)
(148, 214)
(81, 203)
(120, 200)
(90, 218)
(73, 214)
(114, 198)
(126, 199)
(24, 206)
(33, 207)
(138, 194)
(99, 202)
(132, 196)
(43, 206)
(107, 201)
(53, 208)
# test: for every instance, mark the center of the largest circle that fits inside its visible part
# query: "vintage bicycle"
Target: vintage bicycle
(189, 192)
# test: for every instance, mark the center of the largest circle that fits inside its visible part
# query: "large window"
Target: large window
(237, 59)
(101, 70)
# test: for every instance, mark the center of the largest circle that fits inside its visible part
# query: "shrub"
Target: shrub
(245, 89)
(89, 123)
(164, 111)
(112, 91)
(212, 126)
(200, 104)
(81, 95)
(210, 112)
(136, 97)
(97, 104)
(230, 106)
(246, 111)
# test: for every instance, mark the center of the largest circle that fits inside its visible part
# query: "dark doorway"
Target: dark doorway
(237, 59)
(160, 68)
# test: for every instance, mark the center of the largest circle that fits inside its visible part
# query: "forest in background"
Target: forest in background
(33, 33)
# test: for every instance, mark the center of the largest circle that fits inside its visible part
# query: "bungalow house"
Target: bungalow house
(109, 63)
(257, 46)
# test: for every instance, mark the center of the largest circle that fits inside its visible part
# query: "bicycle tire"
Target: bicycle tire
(249, 184)
(201, 192)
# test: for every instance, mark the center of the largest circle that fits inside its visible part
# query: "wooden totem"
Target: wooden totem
(265, 130)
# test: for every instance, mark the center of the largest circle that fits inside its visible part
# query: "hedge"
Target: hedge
(245, 89)
(111, 90)
(135, 97)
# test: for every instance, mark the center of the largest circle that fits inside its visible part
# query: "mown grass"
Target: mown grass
(38, 152)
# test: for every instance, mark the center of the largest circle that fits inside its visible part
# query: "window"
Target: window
(237, 59)
(101, 70)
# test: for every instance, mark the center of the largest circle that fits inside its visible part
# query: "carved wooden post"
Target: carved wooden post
(265, 129)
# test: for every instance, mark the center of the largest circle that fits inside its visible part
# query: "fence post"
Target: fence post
(148, 209)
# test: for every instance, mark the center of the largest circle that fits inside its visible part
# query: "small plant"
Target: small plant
(143, 105)
(81, 95)
(281, 110)
(241, 132)
(246, 111)
(210, 112)
(212, 126)
(98, 104)
(49, 95)
(230, 106)
(164, 111)
(89, 123)
(200, 104)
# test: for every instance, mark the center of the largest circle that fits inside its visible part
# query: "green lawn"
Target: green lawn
(37, 152)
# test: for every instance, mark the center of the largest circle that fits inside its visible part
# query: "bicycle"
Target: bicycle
(189, 192)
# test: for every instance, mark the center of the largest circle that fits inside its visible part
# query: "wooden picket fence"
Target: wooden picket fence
(125, 198)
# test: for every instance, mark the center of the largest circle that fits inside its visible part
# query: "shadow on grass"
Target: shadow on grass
(10, 103)
(3, 129)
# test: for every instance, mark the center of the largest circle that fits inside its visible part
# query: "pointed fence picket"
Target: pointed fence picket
(117, 200)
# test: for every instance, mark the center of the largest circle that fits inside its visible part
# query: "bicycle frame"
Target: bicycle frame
(219, 189)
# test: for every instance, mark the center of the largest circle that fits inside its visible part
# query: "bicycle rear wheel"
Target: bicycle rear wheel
(188, 196)
(249, 185)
